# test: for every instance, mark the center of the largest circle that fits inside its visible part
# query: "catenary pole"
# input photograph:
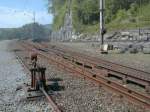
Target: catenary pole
(102, 22)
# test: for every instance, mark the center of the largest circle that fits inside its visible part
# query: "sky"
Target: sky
(15, 13)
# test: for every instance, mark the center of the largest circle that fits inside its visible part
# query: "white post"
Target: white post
(102, 22)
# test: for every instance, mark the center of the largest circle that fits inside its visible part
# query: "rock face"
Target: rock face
(65, 32)
(67, 29)
(130, 35)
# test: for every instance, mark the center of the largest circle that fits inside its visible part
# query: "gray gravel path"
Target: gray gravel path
(12, 75)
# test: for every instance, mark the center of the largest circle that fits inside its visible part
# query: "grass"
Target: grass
(142, 19)
(59, 20)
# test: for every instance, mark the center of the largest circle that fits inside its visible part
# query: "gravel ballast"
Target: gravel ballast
(74, 94)
(139, 61)
(12, 76)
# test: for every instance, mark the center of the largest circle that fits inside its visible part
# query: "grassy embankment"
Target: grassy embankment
(122, 20)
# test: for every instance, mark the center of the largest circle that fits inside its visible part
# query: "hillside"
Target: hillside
(32, 30)
(120, 14)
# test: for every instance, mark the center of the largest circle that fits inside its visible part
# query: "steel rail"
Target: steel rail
(51, 102)
(128, 93)
(133, 96)
(97, 65)
(105, 62)
(116, 70)
(111, 67)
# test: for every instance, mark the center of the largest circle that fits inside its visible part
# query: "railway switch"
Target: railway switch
(38, 79)
(34, 59)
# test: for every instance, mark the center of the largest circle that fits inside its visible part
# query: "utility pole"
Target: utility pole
(33, 35)
(102, 29)
(140, 12)
(34, 17)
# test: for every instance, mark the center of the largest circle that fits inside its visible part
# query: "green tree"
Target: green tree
(86, 12)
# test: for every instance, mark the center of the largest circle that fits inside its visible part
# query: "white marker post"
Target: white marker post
(102, 29)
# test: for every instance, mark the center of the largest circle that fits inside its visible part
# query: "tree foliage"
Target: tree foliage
(86, 12)
(28, 31)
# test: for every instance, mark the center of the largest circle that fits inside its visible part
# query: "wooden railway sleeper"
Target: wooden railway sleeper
(147, 88)
(117, 87)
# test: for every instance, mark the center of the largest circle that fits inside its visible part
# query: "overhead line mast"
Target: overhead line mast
(102, 22)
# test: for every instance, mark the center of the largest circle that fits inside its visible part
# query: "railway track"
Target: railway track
(139, 77)
(82, 67)
(50, 100)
